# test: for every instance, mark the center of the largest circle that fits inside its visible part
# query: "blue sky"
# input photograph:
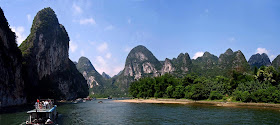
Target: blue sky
(106, 30)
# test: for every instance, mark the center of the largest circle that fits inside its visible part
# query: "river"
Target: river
(121, 113)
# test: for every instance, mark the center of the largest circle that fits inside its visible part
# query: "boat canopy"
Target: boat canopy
(42, 110)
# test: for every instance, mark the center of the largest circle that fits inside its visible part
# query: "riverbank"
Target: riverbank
(213, 103)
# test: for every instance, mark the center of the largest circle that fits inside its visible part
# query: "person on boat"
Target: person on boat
(36, 105)
(40, 105)
(49, 121)
(50, 103)
(47, 104)
(44, 104)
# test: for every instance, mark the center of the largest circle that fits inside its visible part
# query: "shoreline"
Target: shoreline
(211, 103)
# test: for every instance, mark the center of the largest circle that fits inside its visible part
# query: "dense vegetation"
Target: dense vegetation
(262, 85)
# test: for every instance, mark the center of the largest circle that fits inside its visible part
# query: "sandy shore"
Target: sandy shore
(213, 103)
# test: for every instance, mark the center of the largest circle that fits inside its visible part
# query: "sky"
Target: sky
(106, 30)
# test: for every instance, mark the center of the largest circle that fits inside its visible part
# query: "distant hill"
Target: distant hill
(140, 62)
(177, 66)
(206, 65)
(230, 61)
(276, 63)
(98, 85)
(105, 76)
(259, 60)
(90, 74)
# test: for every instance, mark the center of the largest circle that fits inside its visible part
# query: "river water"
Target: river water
(121, 113)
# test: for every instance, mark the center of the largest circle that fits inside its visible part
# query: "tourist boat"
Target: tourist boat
(78, 100)
(45, 113)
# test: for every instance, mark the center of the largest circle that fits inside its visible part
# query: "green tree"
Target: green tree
(169, 91)
(215, 95)
(179, 92)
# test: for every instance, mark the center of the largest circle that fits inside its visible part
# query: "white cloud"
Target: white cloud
(103, 47)
(264, 50)
(110, 27)
(100, 60)
(72, 46)
(19, 33)
(197, 54)
(77, 9)
(100, 65)
(271, 57)
(87, 21)
(117, 69)
(261, 50)
(103, 65)
(29, 19)
(108, 55)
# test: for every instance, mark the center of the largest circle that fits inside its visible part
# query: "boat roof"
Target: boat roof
(42, 110)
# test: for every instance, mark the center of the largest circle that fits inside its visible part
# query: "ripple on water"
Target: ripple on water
(110, 112)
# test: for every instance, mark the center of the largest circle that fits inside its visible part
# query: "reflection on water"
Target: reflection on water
(110, 112)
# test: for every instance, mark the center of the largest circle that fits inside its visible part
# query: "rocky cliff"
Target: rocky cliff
(230, 61)
(259, 60)
(11, 81)
(183, 64)
(276, 63)
(140, 62)
(205, 65)
(167, 67)
(98, 85)
(48, 70)
(105, 76)
(90, 74)
(177, 66)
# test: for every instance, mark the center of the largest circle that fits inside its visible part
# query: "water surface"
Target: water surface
(110, 112)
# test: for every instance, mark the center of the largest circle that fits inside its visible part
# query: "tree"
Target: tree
(215, 95)
(169, 91)
(179, 92)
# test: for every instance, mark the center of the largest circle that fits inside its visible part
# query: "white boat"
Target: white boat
(45, 113)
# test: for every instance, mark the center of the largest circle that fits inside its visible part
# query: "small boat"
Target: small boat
(109, 97)
(100, 102)
(78, 100)
(45, 113)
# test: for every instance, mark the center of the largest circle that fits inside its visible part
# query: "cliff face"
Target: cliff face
(206, 65)
(207, 61)
(233, 61)
(167, 67)
(98, 85)
(259, 60)
(47, 65)
(90, 74)
(106, 76)
(177, 66)
(11, 82)
(276, 63)
(140, 62)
